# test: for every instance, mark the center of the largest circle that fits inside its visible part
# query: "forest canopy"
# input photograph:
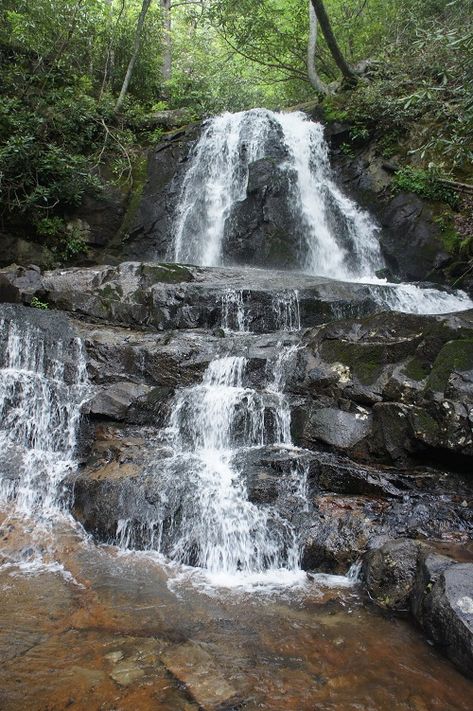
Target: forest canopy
(84, 82)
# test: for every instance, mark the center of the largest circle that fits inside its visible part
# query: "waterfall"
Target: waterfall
(336, 238)
(216, 179)
(42, 384)
(339, 239)
(212, 428)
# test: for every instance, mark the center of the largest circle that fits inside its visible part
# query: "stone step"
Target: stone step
(160, 297)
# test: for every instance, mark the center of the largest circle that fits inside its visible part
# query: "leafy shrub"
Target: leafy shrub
(38, 304)
(424, 183)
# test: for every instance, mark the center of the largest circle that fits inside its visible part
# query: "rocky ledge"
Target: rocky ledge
(381, 405)
(154, 296)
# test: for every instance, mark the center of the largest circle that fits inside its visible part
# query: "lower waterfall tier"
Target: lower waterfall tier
(253, 425)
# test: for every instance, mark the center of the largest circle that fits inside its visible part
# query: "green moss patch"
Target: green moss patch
(365, 361)
(167, 273)
(416, 370)
(454, 356)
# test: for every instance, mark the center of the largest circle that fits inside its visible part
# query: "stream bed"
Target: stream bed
(90, 627)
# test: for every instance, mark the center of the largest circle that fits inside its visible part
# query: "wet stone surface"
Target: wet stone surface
(127, 634)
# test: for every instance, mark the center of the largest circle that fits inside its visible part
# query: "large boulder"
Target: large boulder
(390, 572)
(261, 229)
(406, 574)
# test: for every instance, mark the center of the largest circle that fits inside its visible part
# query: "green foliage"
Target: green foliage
(451, 238)
(71, 245)
(62, 64)
(36, 303)
(424, 183)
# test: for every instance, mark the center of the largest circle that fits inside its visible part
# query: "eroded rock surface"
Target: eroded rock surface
(438, 590)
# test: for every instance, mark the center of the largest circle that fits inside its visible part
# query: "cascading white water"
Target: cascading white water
(41, 391)
(287, 310)
(216, 179)
(340, 239)
(212, 428)
(337, 239)
(234, 314)
(219, 529)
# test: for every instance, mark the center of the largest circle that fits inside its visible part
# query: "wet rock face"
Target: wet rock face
(399, 387)
(403, 574)
(410, 238)
(150, 235)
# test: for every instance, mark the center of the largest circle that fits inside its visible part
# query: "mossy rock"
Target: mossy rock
(416, 370)
(454, 356)
(166, 273)
(366, 361)
(111, 292)
(425, 427)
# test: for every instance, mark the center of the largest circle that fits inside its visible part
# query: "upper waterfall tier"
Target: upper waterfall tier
(278, 163)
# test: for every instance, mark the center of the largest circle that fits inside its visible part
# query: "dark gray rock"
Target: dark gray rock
(18, 249)
(448, 618)
(390, 572)
(343, 430)
(114, 401)
(339, 531)
(261, 229)
(403, 574)
(411, 239)
(169, 296)
(430, 566)
(407, 378)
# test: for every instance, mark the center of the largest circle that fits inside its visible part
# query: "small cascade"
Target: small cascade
(283, 411)
(286, 307)
(42, 384)
(409, 298)
(217, 527)
(234, 313)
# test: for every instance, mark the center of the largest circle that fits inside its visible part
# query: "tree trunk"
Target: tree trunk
(109, 51)
(167, 41)
(348, 73)
(314, 78)
(134, 56)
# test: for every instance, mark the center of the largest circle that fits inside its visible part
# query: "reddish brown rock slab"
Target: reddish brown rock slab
(198, 670)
